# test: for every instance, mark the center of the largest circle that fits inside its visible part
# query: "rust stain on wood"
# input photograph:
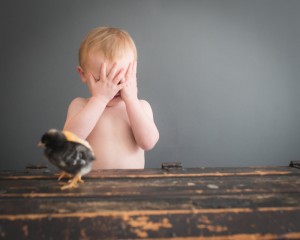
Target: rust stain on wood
(268, 236)
(83, 234)
(122, 214)
(140, 225)
(242, 190)
(23, 177)
(59, 194)
(275, 209)
(161, 175)
(204, 219)
(212, 228)
(205, 224)
(25, 230)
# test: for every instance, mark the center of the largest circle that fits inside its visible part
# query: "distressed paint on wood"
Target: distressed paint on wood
(155, 224)
(204, 203)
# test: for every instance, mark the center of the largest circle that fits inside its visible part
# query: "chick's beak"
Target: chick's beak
(40, 144)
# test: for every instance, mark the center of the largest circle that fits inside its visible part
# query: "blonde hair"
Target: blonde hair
(113, 43)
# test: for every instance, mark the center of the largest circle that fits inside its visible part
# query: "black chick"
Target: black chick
(69, 153)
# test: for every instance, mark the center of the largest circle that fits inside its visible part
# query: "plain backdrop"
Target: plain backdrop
(222, 76)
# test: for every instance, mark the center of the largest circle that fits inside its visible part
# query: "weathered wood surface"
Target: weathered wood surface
(208, 203)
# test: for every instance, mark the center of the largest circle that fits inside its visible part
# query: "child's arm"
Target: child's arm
(143, 127)
(139, 112)
(82, 118)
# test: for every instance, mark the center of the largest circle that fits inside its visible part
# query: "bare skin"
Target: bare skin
(118, 125)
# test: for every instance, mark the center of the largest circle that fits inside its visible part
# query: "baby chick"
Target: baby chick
(69, 153)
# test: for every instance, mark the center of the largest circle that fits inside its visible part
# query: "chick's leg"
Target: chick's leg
(63, 175)
(73, 182)
(80, 180)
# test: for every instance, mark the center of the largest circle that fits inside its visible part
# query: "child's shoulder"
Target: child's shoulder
(79, 101)
(77, 104)
(143, 102)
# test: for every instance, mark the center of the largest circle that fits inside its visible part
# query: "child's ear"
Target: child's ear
(81, 74)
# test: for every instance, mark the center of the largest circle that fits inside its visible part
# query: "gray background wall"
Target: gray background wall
(222, 76)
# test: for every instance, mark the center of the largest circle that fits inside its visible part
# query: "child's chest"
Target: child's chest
(113, 124)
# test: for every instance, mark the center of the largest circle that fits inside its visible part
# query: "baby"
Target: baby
(118, 125)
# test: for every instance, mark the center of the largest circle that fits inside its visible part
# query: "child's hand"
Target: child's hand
(108, 85)
(129, 91)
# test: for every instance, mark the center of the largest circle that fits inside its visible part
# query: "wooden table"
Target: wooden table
(195, 203)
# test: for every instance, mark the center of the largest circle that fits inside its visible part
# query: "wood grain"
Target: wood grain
(203, 203)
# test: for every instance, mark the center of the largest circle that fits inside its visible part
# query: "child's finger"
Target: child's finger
(129, 71)
(91, 79)
(103, 72)
(119, 77)
(113, 71)
(121, 86)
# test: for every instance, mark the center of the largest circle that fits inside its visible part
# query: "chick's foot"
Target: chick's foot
(73, 183)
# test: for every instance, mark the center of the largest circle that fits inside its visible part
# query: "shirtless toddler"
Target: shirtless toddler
(118, 125)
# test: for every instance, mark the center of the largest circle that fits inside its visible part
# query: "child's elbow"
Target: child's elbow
(149, 142)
